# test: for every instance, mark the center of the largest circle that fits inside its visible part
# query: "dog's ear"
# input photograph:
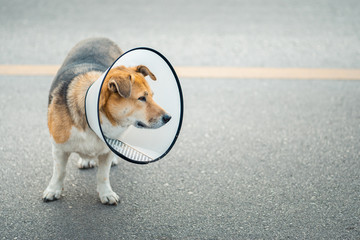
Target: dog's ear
(145, 71)
(121, 84)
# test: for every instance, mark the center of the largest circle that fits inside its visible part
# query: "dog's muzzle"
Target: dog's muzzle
(161, 122)
(166, 118)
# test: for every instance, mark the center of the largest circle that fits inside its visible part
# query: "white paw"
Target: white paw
(86, 163)
(114, 161)
(110, 198)
(51, 195)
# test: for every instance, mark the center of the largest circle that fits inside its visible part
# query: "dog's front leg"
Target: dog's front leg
(107, 196)
(53, 191)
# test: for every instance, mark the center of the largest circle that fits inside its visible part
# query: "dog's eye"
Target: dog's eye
(143, 99)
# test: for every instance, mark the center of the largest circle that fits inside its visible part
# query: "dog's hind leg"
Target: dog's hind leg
(55, 187)
(85, 163)
(106, 194)
(114, 161)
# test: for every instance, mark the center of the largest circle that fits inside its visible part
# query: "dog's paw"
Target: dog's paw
(110, 198)
(86, 163)
(114, 162)
(51, 195)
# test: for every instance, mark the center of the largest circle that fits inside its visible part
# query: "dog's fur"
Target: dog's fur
(125, 99)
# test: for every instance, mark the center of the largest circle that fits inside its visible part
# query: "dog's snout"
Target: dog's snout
(166, 118)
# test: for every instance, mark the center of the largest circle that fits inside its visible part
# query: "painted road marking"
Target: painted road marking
(29, 70)
(268, 73)
(211, 72)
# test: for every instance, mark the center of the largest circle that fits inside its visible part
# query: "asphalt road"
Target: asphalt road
(256, 159)
(256, 33)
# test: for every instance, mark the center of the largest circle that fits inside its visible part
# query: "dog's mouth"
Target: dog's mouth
(140, 124)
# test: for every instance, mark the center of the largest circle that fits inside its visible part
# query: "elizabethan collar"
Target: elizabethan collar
(142, 145)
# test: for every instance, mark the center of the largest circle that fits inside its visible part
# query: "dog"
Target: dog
(126, 99)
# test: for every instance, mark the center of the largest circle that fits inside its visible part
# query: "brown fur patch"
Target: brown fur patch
(105, 105)
(59, 121)
(76, 97)
(61, 117)
(114, 104)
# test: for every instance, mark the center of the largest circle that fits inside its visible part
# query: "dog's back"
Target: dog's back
(95, 54)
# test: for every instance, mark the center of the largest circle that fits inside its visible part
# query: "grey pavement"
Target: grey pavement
(259, 33)
(256, 159)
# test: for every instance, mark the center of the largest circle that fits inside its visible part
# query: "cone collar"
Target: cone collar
(142, 145)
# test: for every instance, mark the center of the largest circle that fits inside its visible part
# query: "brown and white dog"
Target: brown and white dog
(126, 99)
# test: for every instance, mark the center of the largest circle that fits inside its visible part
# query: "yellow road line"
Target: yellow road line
(269, 73)
(211, 72)
(29, 70)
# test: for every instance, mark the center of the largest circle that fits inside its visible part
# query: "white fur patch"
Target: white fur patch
(109, 130)
(86, 143)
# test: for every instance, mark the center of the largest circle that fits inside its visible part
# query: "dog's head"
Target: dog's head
(127, 99)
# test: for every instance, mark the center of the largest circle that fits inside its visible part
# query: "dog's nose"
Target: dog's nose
(166, 118)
